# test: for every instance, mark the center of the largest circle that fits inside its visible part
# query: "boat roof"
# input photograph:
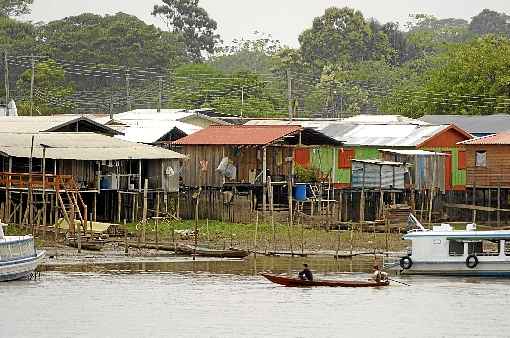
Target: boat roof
(461, 235)
(14, 239)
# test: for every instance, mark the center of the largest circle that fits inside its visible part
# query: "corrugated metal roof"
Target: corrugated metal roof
(80, 146)
(149, 126)
(239, 135)
(485, 124)
(379, 162)
(412, 152)
(314, 124)
(148, 131)
(390, 135)
(498, 139)
(34, 124)
(384, 119)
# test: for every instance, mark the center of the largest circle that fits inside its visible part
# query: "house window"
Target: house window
(481, 158)
(345, 157)
(461, 160)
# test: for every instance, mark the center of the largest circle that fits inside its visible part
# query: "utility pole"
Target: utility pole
(32, 81)
(6, 66)
(160, 97)
(242, 101)
(128, 94)
(289, 95)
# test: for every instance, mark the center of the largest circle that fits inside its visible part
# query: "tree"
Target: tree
(490, 22)
(119, 39)
(192, 22)
(341, 35)
(51, 92)
(468, 78)
(429, 35)
(247, 55)
(203, 86)
(15, 7)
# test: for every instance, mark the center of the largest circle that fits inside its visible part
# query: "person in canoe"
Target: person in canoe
(306, 274)
(379, 276)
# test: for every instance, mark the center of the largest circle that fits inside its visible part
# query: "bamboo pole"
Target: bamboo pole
(256, 231)
(126, 246)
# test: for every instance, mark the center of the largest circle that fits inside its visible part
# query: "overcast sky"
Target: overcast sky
(284, 19)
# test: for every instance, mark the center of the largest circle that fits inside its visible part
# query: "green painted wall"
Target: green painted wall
(360, 153)
(324, 159)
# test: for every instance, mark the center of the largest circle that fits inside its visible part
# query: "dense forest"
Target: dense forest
(345, 64)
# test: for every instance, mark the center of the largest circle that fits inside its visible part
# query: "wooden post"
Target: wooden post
(78, 233)
(133, 208)
(157, 216)
(256, 232)
(119, 206)
(144, 214)
(489, 197)
(264, 180)
(8, 194)
(44, 191)
(126, 246)
(498, 215)
(474, 203)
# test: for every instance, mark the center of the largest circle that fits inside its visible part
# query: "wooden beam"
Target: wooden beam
(474, 207)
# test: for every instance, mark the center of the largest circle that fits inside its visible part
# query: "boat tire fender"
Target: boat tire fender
(471, 261)
(406, 262)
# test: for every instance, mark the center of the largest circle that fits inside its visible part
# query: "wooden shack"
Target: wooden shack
(488, 161)
(98, 167)
(426, 168)
(254, 151)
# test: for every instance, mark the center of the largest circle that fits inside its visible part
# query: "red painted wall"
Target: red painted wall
(449, 138)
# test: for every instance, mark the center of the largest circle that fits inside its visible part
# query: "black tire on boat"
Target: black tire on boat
(406, 262)
(471, 261)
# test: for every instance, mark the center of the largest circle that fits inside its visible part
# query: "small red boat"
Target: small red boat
(291, 281)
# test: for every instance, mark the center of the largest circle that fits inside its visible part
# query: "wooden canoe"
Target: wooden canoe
(291, 281)
(205, 252)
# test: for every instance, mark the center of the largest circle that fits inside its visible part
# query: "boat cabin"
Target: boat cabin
(443, 243)
(16, 247)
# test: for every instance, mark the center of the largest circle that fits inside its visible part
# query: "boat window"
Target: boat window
(484, 248)
(4, 252)
(507, 247)
(456, 248)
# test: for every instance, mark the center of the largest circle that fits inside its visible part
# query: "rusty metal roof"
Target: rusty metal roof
(498, 139)
(239, 135)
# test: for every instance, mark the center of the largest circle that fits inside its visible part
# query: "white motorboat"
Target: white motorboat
(445, 251)
(18, 256)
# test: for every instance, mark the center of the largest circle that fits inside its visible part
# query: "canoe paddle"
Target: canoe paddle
(396, 281)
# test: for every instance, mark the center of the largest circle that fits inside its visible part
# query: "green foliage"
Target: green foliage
(50, 90)
(469, 78)
(490, 22)
(247, 55)
(305, 175)
(427, 34)
(119, 39)
(203, 86)
(342, 35)
(16, 36)
(15, 7)
(185, 17)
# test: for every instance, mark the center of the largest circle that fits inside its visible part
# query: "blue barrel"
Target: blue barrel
(300, 192)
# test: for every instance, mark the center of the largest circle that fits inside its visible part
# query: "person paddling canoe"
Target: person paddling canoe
(379, 276)
(306, 274)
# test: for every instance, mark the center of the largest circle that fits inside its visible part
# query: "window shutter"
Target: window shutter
(462, 160)
(345, 157)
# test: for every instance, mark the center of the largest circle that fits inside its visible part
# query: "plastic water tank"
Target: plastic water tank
(300, 192)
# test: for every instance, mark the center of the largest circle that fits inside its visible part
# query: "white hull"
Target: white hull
(18, 269)
(486, 268)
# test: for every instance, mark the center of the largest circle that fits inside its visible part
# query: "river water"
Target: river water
(228, 299)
